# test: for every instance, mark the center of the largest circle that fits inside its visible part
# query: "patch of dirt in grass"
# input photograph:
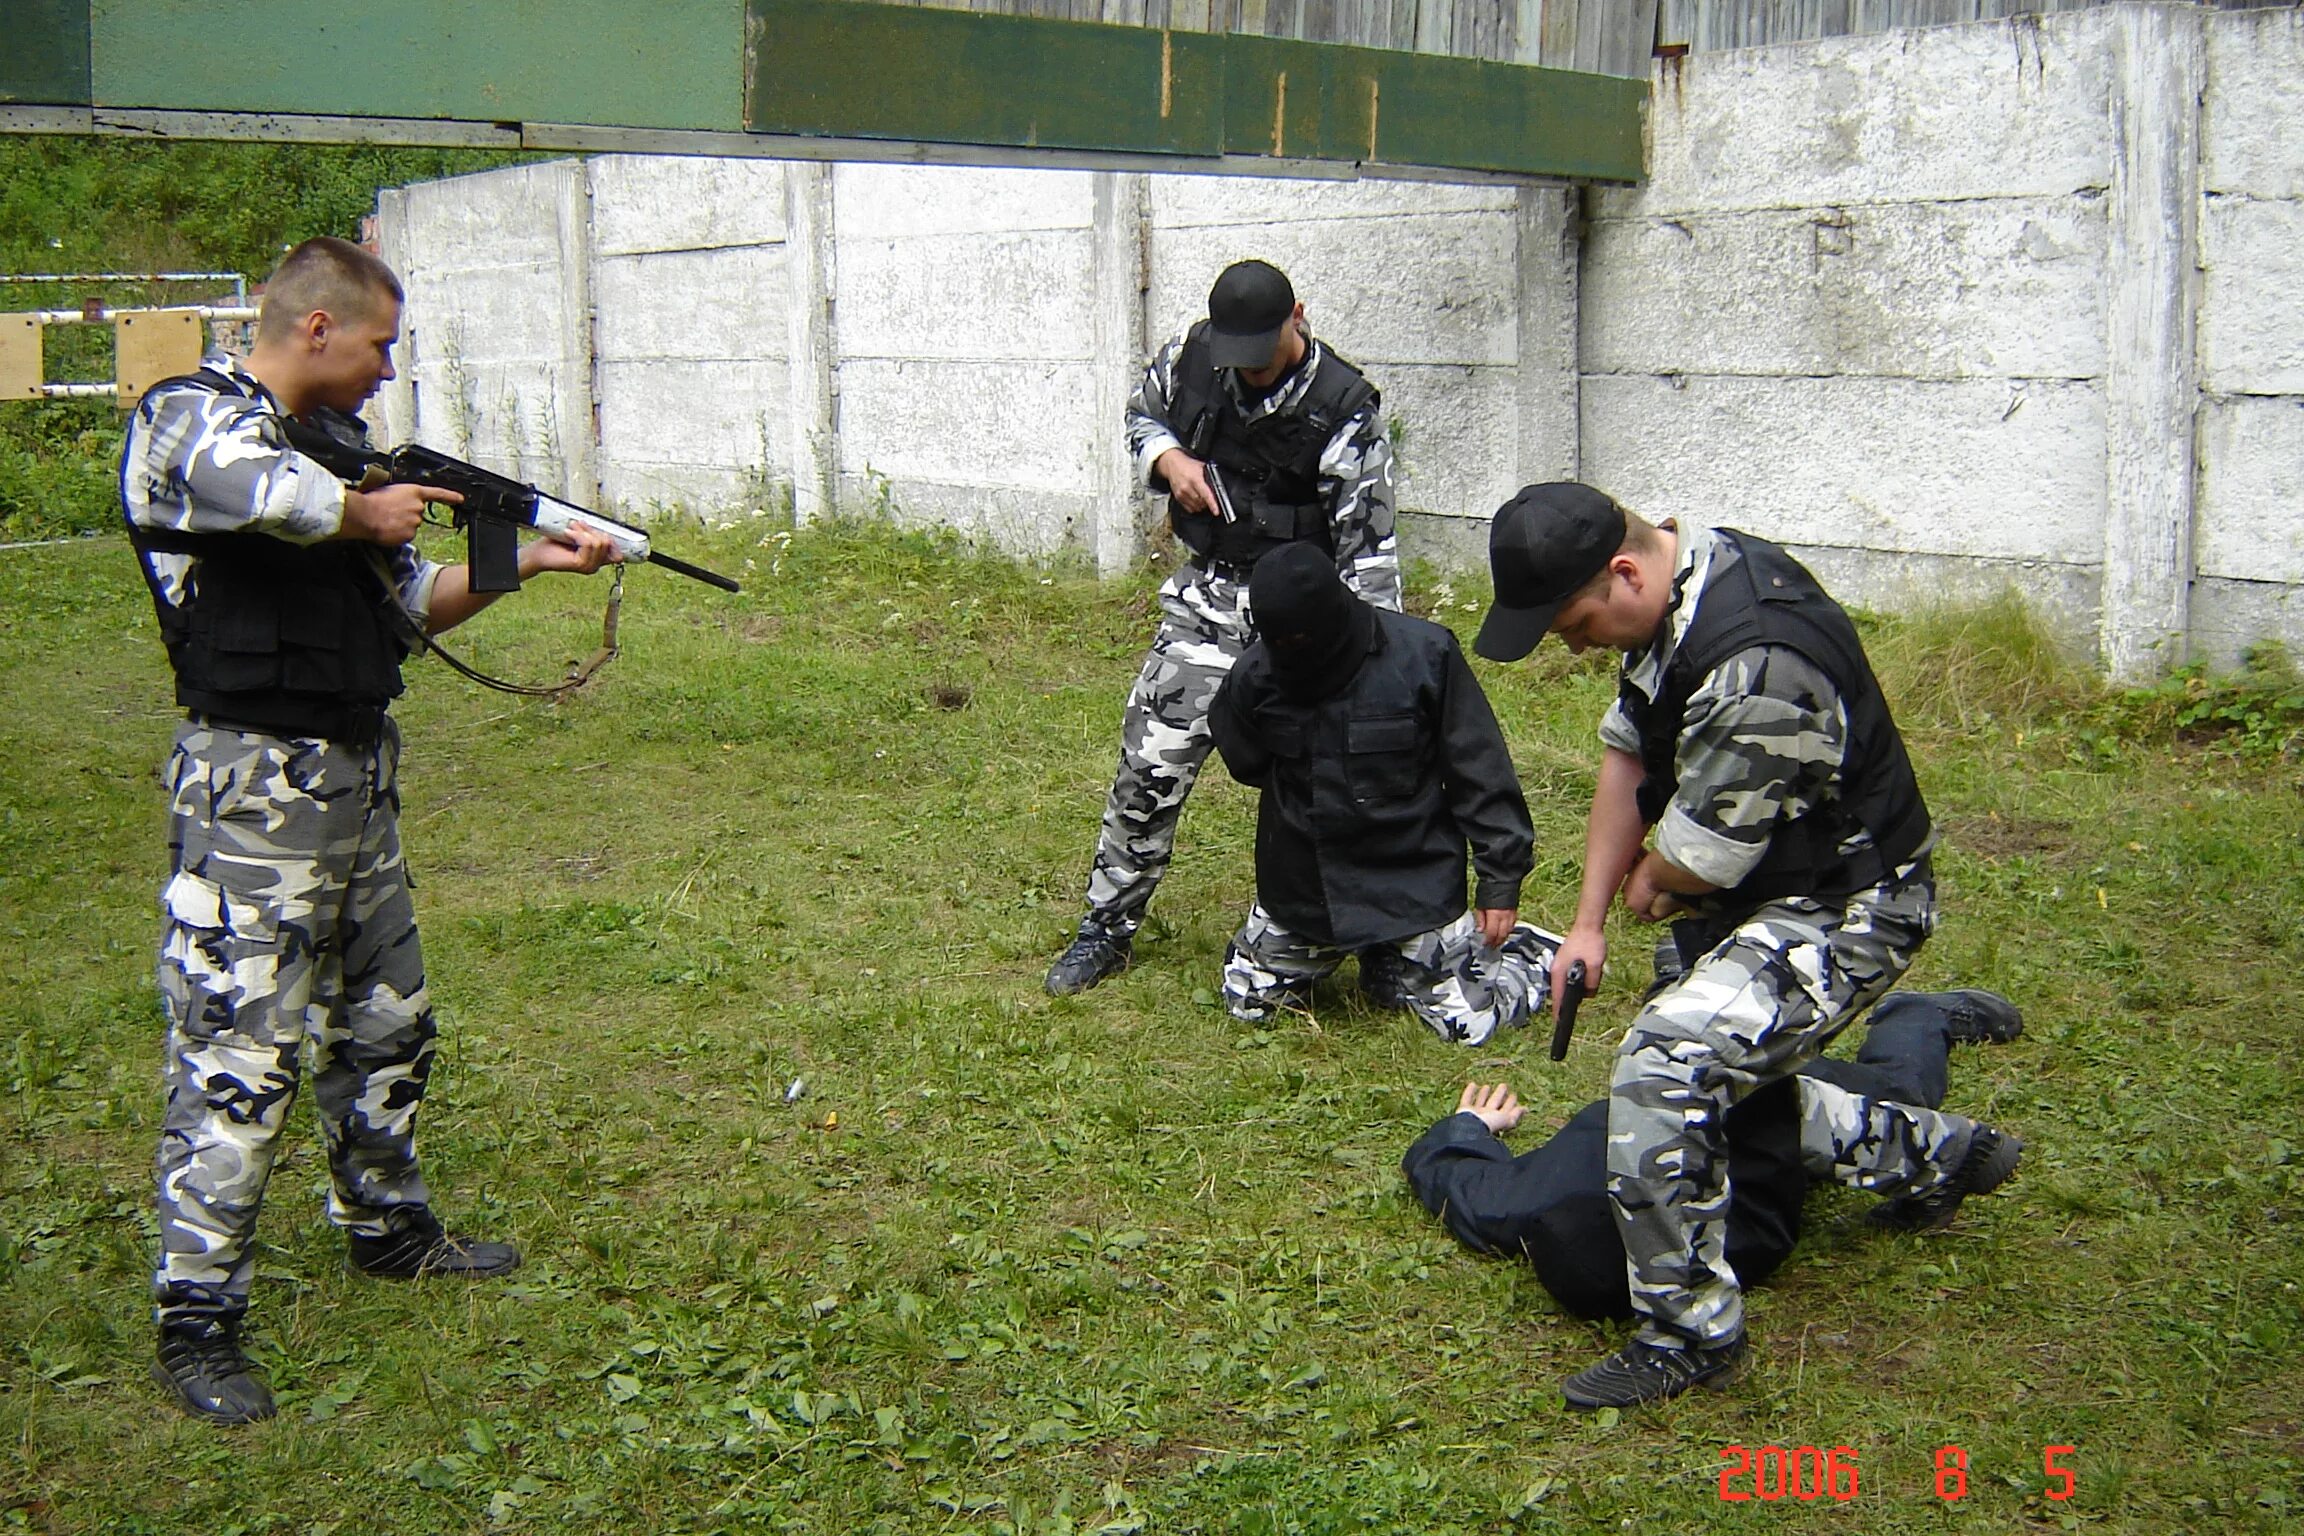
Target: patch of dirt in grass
(1993, 836)
(1119, 1460)
(1872, 1353)
(758, 628)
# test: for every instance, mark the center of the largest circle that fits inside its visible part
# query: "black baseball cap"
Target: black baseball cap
(1247, 309)
(1544, 544)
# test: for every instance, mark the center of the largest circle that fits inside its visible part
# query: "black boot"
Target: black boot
(1989, 1158)
(417, 1247)
(1983, 1018)
(1384, 978)
(1096, 953)
(201, 1362)
(1644, 1373)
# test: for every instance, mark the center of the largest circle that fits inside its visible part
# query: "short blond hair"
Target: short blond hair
(350, 282)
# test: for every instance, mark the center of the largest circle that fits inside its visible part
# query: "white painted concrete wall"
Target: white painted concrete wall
(1859, 308)
(952, 346)
(2250, 537)
(2016, 303)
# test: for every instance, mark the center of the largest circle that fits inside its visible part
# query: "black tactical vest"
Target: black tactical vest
(1757, 594)
(295, 640)
(1275, 460)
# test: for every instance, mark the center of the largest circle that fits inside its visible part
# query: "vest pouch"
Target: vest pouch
(312, 639)
(1384, 757)
(239, 648)
(1281, 521)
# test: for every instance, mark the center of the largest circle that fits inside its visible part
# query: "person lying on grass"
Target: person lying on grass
(1550, 1206)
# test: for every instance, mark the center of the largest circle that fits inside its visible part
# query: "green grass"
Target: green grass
(1013, 1264)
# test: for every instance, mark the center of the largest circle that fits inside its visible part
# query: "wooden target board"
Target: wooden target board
(20, 358)
(154, 345)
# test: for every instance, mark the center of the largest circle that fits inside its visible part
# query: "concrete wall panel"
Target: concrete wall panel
(1907, 290)
(682, 412)
(493, 218)
(1013, 296)
(684, 202)
(513, 417)
(1222, 202)
(1023, 522)
(497, 314)
(1993, 109)
(2250, 138)
(994, 424)
(641, 493)
(1456, 438)
(2230, 618)
(1951, 469)
(2067, 596)
(890, 201)
(1422, 288)
(716, 303)
(2251, 507)
(2252, 310)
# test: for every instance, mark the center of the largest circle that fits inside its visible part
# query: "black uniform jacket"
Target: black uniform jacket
(1371, 795)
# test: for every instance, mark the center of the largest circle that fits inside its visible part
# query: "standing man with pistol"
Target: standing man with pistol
(1262, 437)
(286, 601)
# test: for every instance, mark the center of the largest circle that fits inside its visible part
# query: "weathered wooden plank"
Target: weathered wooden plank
(830, 67)
(668, 64)
(45, 59)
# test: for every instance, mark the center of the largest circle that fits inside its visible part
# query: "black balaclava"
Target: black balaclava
(1315, 630)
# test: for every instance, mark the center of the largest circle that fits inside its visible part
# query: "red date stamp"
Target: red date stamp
(1807, 1473)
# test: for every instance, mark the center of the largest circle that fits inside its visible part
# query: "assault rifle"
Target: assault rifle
(494, 509)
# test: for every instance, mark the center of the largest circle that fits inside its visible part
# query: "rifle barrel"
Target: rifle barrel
(693, 572)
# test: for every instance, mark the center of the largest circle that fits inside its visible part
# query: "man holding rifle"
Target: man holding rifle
(286, 601)
(1792, 846)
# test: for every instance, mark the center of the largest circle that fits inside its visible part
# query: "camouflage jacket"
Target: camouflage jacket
(1761, 743)
(1355, 467)
(204, 460)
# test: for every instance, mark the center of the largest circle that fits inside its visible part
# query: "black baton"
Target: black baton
(1564, 1023)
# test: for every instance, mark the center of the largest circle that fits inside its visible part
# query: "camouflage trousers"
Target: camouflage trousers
(287, 918)
(1891, 1150)
(1164, 740)
(1456, 984)
(1762, 1002)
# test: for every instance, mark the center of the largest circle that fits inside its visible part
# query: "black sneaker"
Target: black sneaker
(1383, 978)
(1095, 955)
(1984, 1018)
(418, 1248)
(1990, 1158)
(201, 1362)
(1643, 1373)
